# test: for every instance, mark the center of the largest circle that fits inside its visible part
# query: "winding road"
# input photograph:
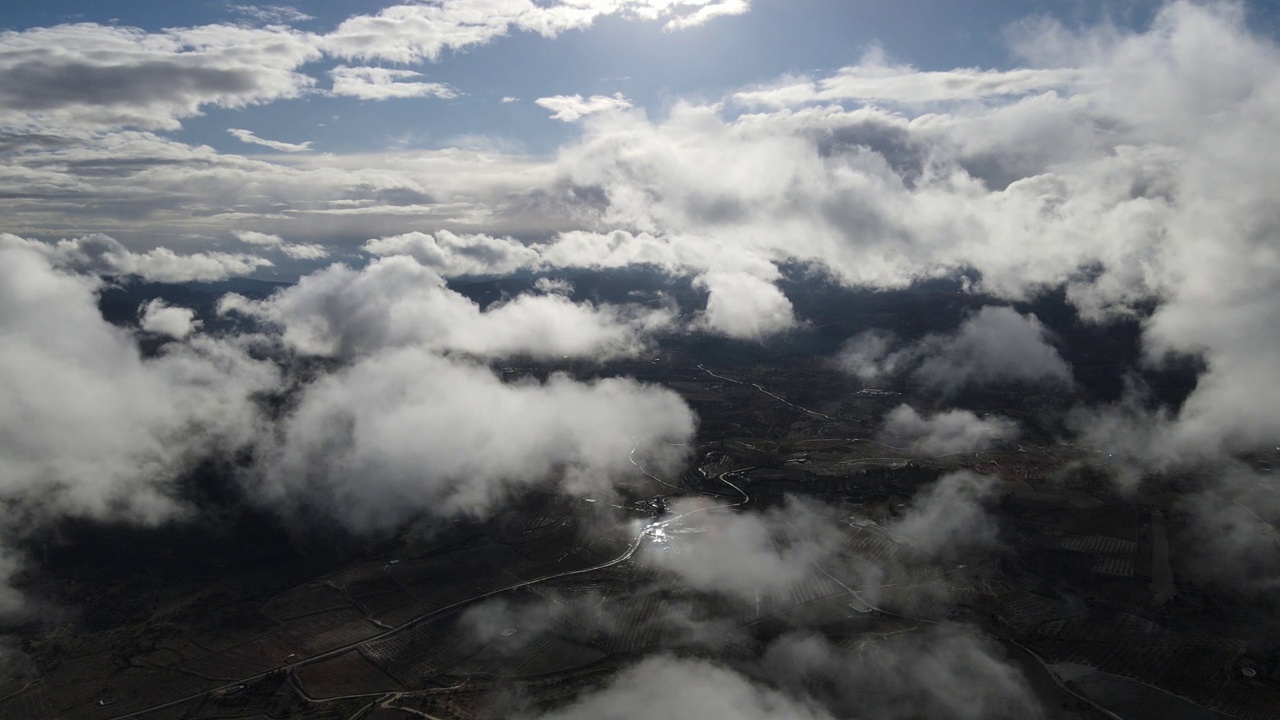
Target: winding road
(645, 532)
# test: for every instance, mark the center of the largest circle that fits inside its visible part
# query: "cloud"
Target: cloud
(673, 255)
(103, 255)
(159, 317)
(89, 427)
(376, 83)
(92, 77)
(570, 108)
(744, 307)
(413, 33)
(98, 77)
(875, 80)
(995, 346)
(247, 136)
(670, 687)
(941, 671)
(253, 237)
(554, 285)
(938, 671)
(870, 356)
(452, 255)
(1231, 540)
(744, 554)
(139, 186)
(509, 99)
(945, 433)
(396, 302)
(950, 516)
(271, 14)
(708, 12)
(297, 251)
(407, 432)
(305, 251)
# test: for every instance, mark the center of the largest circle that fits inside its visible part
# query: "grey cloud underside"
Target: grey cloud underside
(37, 86)
(995, 346)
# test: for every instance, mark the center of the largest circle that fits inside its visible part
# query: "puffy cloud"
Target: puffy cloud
(995, 346)
(452, 255)
(674, 255)
(553, 285)
(407, 432)
(944, 671)
(252, 237)
(870, 356)
(669, 687)
(743, 554)
(412, 33)
(743, 306)
(99, 77)
(375, 83)
(247, 136)
(91, 429)
(159, 317)
(396, 302)
(570, 108)
(297, 251)
(945, 433)
(950, 516)
(104, 255)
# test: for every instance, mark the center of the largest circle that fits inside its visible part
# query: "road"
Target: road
(784, 401)
(646, 532)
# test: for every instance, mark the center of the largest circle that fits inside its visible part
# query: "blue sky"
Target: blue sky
(650, 66)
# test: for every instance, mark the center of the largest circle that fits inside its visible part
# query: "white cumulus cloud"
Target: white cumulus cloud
(570, 108)
(376, 83)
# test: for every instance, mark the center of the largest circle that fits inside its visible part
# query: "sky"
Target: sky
(647, 60)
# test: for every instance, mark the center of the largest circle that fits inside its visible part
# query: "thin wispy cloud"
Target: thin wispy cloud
(247, 136)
